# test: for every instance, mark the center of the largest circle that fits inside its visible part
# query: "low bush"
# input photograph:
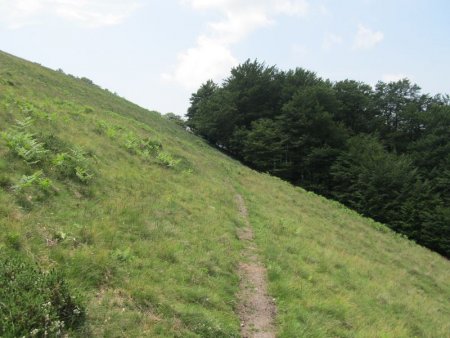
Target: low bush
(35, 303)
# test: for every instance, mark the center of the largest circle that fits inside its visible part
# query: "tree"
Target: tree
(205, 91)
(214, 117)
(261, 145)
(398, 106)
(257, 91)
(356, 106)
(312, 135)
(175, 118)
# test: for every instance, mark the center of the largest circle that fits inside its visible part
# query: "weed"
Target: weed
(5, 181)
(103, 127)
(167, 159)
(35, 180)
(74, 164)
(143, 147)
(124, 255)
(13, 241)
(84, 236)
(23, 143)
(88, 110)
(59, 236)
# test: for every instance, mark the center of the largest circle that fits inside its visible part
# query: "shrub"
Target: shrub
(35, 303)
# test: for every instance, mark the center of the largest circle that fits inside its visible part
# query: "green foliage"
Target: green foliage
(35, 303)
(167, 159)
(75, 165)
(5, 181)
(306, 130)
(124, 255)
(175, 119)
(88, 110)
(372, 180)
(24, 144)
(35, 180)
(148, 148)
(103, 127)
(143, 147)
(262, 145)
(13, 241)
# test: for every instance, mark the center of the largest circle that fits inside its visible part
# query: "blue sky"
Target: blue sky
(156, 53)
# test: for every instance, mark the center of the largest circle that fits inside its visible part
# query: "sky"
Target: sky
(157, 53)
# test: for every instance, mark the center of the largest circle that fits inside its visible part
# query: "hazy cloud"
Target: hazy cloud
(331, 40)
(299, 50)
(393, 77)
(211, 57)
(324, 10)
(90, 13)
(367, 38)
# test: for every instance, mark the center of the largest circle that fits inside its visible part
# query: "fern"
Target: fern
(74, 164)
(167, 159)
(23, 143)
(37, 179)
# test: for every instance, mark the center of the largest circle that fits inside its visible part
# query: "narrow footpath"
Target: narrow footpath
(256, 308)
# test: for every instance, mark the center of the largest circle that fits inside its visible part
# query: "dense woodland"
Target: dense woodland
(383, 151)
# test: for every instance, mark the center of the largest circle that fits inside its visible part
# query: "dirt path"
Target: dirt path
(256, 308)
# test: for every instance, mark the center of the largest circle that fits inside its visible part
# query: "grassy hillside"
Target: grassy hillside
(141, 218)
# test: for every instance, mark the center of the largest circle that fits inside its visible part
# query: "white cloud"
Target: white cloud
(290, 7)
(238, 25)
(331, 40)
(90, 13)
(208, 60)
(211, 57)
(393, 77)
(367, 38)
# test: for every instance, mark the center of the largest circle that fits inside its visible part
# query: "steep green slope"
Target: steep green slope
(141, 218)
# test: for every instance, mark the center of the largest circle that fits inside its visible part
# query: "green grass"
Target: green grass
(149, 240)
(337, 274)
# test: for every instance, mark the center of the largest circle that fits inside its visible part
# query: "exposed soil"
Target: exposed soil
(256, 308)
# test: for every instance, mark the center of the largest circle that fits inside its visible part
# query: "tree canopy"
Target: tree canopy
(383, 151)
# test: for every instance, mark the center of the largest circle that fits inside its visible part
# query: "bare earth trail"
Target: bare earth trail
(256, 308)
